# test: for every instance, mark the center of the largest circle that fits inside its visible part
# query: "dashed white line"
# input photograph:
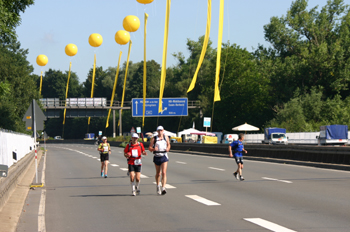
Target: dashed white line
(284, 181)
(124, 169)
(143, 176)
(202, 200)
(179, 162)
(268, 225)
(115, 165)
(219, 169)
(168, 186)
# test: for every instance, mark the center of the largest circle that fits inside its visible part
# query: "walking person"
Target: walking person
(105, 150)
(133, 152)
(160, 145)
(236, 150)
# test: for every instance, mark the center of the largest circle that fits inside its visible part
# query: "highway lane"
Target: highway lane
(296, 198)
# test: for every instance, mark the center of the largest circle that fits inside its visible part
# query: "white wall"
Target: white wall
(295, 137)
(14, 142)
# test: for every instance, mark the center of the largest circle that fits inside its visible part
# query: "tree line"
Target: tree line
(299, 82)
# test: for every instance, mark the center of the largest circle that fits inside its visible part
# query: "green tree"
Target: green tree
(309, 111)
(10, 18)
(55, 83)
(310, 48)
(18, 86)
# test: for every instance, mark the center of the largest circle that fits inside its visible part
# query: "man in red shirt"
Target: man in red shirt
(132, 152)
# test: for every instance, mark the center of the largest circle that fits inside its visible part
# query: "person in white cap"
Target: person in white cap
(105, 149)
(160, 145)
(133, 152)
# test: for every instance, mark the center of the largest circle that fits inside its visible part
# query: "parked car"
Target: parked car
(58, 138)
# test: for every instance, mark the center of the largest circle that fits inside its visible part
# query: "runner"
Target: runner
(132, 152)
(105, 150)
(160, 145)
(238, 149)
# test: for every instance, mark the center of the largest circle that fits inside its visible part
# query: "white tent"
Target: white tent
(167, 133)
(187, 132)
(245, 127)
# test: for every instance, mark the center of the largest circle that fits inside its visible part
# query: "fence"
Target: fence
(293, 138)
(14, 146)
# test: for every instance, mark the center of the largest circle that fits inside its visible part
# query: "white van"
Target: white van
(229, 138)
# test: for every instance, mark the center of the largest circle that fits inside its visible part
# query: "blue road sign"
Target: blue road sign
(171, 107)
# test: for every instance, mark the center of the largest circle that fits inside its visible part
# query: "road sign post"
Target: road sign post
(206, 123)
(34, 118)
(171, 107)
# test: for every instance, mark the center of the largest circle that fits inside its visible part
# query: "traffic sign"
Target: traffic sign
(206, 122)
(138, 129)
(171, 107)
(132, 130)
(39, 117)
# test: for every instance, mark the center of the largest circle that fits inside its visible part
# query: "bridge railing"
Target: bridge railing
(92, 102)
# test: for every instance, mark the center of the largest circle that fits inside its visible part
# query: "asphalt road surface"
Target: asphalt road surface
(203, 195)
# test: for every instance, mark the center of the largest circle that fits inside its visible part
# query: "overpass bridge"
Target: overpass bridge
(93, 107)
(90, 107)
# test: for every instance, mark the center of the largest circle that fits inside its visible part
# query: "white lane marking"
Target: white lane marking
(268, 225)
(284, 181)
(124, 169)
(41, 212)
(219, 169)
(202, 200)
(94, 157)
(143, 176)
(179, 162)
(168, 186)
(115, 165)
(98, 159)
(265, 162)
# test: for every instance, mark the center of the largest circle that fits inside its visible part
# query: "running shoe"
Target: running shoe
(164, 191)
(158, 190)
(235, 174)
(127, 173)
(241, 178)
(106, 176)
(134, 193)
(138, 191)
(101, 174)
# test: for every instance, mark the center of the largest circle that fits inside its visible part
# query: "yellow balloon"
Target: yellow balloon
(95, 40)
(122, 37)
(42, 60)
(131, 23)
(144, 1)
(71, 49)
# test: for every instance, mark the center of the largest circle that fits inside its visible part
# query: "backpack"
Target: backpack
(138, 143)
(154, 144)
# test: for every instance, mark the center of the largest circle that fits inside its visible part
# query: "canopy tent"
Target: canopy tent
(187, 132)
(203, 133)
(167, 133)
(245, 127)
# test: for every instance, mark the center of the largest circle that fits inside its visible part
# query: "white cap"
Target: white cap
(160, 128)
(134, 135)
(104, 137)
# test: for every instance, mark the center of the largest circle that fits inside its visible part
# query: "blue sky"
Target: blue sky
(49, 25)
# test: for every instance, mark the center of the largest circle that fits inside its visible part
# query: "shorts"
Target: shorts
(239, 159)
(134, 168)
(158, 160)
(104, 157)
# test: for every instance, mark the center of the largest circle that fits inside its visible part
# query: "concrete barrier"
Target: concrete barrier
(15, 173)
(332, 155)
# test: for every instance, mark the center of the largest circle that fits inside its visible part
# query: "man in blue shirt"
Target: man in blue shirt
(236, 150)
